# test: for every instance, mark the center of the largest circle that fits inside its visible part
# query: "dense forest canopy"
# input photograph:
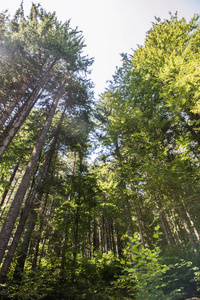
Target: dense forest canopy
(124, 225)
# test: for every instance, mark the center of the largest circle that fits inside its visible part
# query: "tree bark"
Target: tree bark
(9, 196)
(188, 231)
(11, 106)
(16, 204)
(191, 222)
(22, 221)
(10, 132)
(10, 182)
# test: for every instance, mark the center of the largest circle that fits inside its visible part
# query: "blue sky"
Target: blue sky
(110, 27)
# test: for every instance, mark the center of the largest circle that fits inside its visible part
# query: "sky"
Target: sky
(110, 27)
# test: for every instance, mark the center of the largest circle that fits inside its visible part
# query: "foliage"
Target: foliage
(143, 271)
(90, 231)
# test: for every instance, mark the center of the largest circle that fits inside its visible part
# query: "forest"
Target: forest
(99, 198)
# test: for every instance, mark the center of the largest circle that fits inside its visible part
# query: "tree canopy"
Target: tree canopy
(123, 225)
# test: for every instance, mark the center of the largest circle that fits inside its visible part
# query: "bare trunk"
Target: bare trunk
(175, 229)
(75, 236)
(165, 225)
(15, 206)
(140, 229)
(9, 196)
(95, 235)
(116, 241)
(5, 115)
(32, 224)
(191, 222)
(10, 132)
(47, 233)
(187, 229)
(28, 205)
(10, 182)
(63, 256)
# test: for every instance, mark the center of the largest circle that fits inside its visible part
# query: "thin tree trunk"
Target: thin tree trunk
(177, 237)
(26, 210)
(10, 182)
(95, 233)
(166, 228)
(140, 229)
(11, 106)
(9, 196)
(15, 206)
(63, 256)
(116, 241)
(112, 238)
(100, 236)
(32, 224)
(47, 233)
(10, 132)
(163, 223)
(75, 235)
(40, 178)
(187, 229)
(130, 225)
(14, 104)
(191, 222)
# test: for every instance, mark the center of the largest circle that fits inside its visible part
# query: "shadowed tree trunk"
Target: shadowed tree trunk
(16, 204)
(40, 178)
(9, 133)
(10, 182)
(31, 224)
(188, 231)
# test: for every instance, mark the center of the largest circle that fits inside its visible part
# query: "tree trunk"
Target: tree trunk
(9, 196)
(10, 132)
(187, 229)
(63, 256)
(75, 235)
(22, 221)
(14, 104)
(165, 225)
(191, 222)
(46, 233)
(32, 225)
(33, 219)
(140, 229)
(11, 106)
(15, 206)
(10, 182)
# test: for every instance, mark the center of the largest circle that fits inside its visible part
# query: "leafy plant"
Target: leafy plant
(143, 271)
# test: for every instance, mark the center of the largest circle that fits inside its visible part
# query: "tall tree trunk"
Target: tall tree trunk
(165, 225)
(130, 225)
(63, 255)
(10, 182)
(116, 241)
(23, 218)
(9, 196)
(176, 231)
(5, 115)
(16, 204)
(75, 235)
(113, 238)
(9, 133)
(19, 98)
(188, 231)
(191, 222)
(32, 226)
(140, 228)
(95, 234)
(37, 202)
(46, 233)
